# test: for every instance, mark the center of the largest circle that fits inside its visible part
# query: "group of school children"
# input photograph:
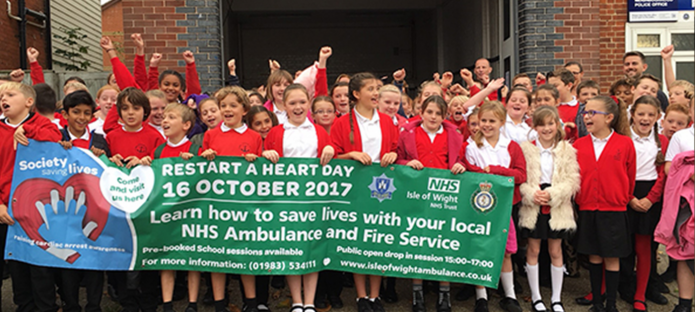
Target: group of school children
(590, 170)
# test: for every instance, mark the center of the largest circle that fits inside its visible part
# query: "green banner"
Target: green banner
(296, 217)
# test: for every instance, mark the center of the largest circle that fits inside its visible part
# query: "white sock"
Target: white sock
(556, 275)
(507, 279)
(480, 293)
(532, 276)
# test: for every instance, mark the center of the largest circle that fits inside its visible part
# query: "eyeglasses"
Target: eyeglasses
(592, 112)
(322, 112)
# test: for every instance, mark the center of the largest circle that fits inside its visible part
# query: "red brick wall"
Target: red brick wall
(581, 35)
(112, 26)
(9, 36)
(613, 16)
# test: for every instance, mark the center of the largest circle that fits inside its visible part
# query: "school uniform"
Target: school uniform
(233, 142)
(305, 140)
(505, 159)
(681, 141)
(434, 150)
(138, 143)
(159, 129)
(518, 133)
(375, 137)
(556, 171)
(650, 180)
(281, 115)
(568, 113)
(607, 169)
(87, 140)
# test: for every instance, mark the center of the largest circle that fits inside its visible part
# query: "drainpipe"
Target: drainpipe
(22, 35)
(49, 41)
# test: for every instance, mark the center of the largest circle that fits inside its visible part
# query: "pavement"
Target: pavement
(573, 287)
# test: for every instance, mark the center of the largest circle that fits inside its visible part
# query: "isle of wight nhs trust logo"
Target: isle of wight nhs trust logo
(483, 199)
(382, 187)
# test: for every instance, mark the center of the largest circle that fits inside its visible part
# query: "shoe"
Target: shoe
(464, 293)
(377, 306)
(612, 309)
(249, 308)
(348, 280)
(418, 301)
(536, 303)
(586, 302)
(320, 304)
(364, 305)
(510, 305)
(655, 296)
(481, 305)
(309, 309)
(191, 309)
(444, 304)
(627, 295)
(681, 308)
(389, 295)
(262, 307)
(658, 283)
(278, 281)
(335, 301)
(670, 274)
(639, 310)
(555, 304)
(597, 308)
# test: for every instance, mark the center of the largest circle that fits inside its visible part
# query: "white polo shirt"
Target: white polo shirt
(300, 141)
(370, 132)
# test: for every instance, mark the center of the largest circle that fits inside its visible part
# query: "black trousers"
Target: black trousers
(70, 281)
(33, 287)
(137, 290)
(262, 289)
(330, 284)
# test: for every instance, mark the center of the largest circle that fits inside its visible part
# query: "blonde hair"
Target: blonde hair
(542, 114)
(74, 85)
(107, 87)
(462, 98)
(237, 91)
(25, 90)
(156, 94)
(275, 77)
(389, 88)
(687, 87)
(186, 113)
(497, 109)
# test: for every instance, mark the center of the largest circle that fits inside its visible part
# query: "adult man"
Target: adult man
(482, 73)
(578, 71)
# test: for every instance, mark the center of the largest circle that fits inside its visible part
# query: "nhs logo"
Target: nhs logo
(443, 185)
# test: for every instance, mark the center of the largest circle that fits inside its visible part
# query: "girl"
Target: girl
(472, 125)
(645, 207)
(491, 152)
(622, 89)
(677, 117)
(367, 136)
(407, 104)
(106, 97)
(431, 143)
(256, 99)
(339, 94)
(277, 83)
(546, 211)
(607, 164)
(546, 95)
(323, 110)
(515, 128)
(389, 102)
(427, 89)
(261, 120)
(299, 137)
(211, 116)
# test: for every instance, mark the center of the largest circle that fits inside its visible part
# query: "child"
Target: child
(299, 138)
(646, 84)
(133, 140)
(367, 136)
(546, 211)
(323, 110)
(407, 104)
(677, 117)
(45, 103)
(645, 207)
(72, 86)
(678, 92)
(607, 164)
(585, 90)
(277, 83)
(389, 102)
(472, 125)
(232, 138)
(431, 143)
(457, 113)
(209, 112)
(522, 80)
(339, 94)
(546, 95)
(256, 99)
(259, 119)
(178, 121)
(622, 88)
(157, 104)
(32, 285)
(563, 80)
(106, 97)
(515, 128)
(491, 152)
(681, 141)
(427, 89)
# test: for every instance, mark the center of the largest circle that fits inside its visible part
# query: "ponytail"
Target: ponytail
(356, 83)
(653, 102)
(617, 108)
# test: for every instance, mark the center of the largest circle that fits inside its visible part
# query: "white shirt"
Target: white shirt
(160, 129)
(85, 135)
(600, 144)
(281, 115)
(182, 142)
(645, 151)
(518, 133)
(489, 156)
(7, 121)
(370, 131)
(239, 130)
(433, 135)
(56, 122)
(681, 141)
(547, 163)
(97, 126)
(573, 102)
(300, 141)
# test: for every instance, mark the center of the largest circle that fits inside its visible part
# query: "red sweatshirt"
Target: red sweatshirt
(140, 144)
(139, 71)
(233, 143)
(169, 151)
(274, 139)
(192, 80)
(321, 86)
(36, 73)
(35, 127)
(340, 135)
(607, 184)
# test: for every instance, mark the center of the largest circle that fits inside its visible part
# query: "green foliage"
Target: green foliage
(73, 38)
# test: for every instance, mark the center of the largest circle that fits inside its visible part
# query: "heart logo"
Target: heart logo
(326, 261)
(127, 192)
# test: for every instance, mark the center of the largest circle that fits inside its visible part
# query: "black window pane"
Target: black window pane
(683, 42)
(685, 71)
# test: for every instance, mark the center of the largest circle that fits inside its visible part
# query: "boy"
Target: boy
(563, 80)
(522, 80)
(32, 286)
(158, 102)
(585, 90)
(45, 103)
(178, 122)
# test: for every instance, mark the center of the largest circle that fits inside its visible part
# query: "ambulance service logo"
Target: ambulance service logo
(483, 199)
(382, 187)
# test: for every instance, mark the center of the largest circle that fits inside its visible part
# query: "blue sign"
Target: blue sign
(657, 10)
